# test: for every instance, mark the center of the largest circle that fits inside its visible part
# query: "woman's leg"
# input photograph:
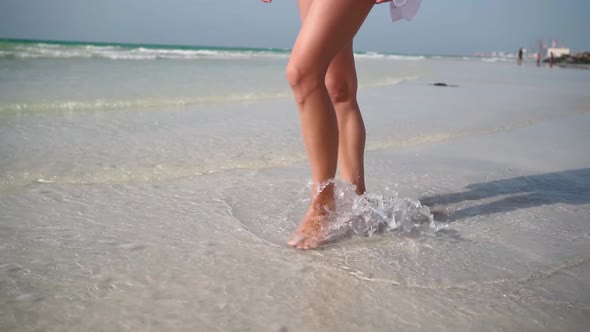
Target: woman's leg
(327, 27)
(341, 81)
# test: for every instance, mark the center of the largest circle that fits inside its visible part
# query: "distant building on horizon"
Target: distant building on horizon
(557, 51)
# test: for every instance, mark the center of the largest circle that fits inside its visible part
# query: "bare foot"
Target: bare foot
(309, 234)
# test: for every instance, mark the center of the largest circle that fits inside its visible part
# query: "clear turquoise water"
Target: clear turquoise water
(36, 75)
(45, 75)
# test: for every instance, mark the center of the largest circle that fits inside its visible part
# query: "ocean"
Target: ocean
(151, 187)
(131, 76)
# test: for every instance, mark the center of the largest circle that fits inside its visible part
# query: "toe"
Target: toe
(296, 239)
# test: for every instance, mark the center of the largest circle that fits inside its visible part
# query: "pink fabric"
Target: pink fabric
(400, 9)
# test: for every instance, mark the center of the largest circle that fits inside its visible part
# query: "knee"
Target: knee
(303, 79)
(341, 90)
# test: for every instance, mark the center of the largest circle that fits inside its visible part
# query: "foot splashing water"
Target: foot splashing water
(373, 214)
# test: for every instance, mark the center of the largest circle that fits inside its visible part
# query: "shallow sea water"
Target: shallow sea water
(172, 213)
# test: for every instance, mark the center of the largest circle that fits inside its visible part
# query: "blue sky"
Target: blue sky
(441, 27)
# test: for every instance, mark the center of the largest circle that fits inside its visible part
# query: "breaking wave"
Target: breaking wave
(55, 50)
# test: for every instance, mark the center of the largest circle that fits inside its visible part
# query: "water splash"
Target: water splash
(372, 214)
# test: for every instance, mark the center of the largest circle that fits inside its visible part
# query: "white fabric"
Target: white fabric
(404, 9)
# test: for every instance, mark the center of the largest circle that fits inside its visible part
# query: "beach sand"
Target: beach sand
(129, 227)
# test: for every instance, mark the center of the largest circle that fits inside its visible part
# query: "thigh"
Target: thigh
(303, 7)
(328, 27)
(342, 69)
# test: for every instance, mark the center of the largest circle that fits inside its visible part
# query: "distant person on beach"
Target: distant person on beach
(539, 52)
(322, 75)
(520, 53)
(551, 60)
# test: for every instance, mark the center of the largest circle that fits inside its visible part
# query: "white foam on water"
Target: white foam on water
(137, 52)
(60, 51)
(395, 57)
(140, 104)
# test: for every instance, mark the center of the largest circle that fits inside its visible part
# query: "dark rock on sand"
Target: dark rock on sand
(445, 85)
